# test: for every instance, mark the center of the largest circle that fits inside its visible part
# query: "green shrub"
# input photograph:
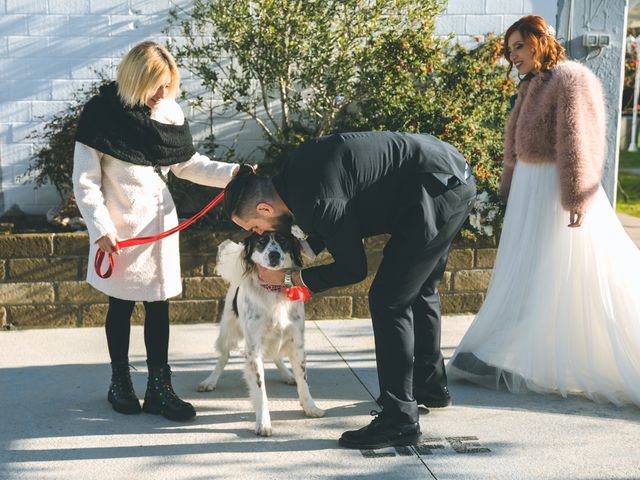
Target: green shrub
(52, 162)
(352, 65)
(629, 79)
(285, 64)
(417, 83)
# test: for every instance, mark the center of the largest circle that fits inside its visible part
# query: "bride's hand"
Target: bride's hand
(575, 218)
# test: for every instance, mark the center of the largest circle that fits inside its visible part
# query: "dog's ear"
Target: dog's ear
(296, 251)
(249, 243)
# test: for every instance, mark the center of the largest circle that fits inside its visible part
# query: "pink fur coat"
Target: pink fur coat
(559, 117)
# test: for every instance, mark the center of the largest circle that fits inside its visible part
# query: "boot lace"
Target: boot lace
(163, 384)
(378, 418)
(121, 381)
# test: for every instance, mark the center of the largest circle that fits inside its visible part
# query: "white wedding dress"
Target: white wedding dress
(562, 313)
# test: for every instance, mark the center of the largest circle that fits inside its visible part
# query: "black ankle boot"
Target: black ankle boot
(121, 394)
(160, 398)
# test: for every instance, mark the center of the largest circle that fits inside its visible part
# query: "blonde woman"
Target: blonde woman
(130, 136)
(561, 313)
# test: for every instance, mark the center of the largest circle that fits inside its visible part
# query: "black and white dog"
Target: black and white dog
(272, 325)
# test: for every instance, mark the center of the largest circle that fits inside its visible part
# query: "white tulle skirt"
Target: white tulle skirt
(562, 313)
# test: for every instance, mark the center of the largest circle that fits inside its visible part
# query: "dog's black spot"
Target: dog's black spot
(258, 380)
(235, 302)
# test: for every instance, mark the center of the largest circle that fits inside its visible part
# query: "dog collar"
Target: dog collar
(271, 288)
(297, 232)
(294, 293)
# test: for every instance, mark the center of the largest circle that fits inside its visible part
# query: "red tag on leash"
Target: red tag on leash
(298, 293)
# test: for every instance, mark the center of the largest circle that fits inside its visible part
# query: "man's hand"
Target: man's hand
(254, 167)
(270, 277)
(108, 243)
(575, 218)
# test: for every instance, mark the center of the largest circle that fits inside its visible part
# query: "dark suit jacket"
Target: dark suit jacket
(349, 186)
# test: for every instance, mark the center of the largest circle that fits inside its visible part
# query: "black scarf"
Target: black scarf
(129, 133)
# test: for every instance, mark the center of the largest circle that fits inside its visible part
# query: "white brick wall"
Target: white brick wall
(50, 48)
(27, 6)
(471, 20)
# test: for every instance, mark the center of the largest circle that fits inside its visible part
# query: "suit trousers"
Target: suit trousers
(404, 299)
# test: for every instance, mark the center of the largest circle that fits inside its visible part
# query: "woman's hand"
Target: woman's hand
(108, 243)
(575, 218)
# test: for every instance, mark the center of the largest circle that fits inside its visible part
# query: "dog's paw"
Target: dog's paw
(314, 412)
(206, 386)
(264, 430)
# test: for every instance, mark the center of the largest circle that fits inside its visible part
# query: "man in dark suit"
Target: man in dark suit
(345, 187)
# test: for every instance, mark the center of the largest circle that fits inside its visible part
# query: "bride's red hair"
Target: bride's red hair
(538, 35)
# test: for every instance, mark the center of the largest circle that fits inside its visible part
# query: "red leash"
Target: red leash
(294, 293)
(142, 240)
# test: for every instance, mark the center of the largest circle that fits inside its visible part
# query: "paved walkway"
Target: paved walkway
(55, 422)
(632, 226)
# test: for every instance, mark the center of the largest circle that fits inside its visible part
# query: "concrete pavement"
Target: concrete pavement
(631, 226)
(55, 422)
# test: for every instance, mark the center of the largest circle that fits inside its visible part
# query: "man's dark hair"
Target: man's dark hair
(245, 191)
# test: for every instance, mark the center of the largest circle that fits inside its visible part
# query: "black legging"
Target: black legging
(156, 330)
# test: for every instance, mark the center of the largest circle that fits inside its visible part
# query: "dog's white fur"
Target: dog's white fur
(271, 325)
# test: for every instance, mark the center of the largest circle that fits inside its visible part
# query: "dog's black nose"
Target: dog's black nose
(274, 258)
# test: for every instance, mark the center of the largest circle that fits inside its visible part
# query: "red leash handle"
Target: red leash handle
(97, 264)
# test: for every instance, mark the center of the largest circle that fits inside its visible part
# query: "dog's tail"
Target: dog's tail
(229, 263)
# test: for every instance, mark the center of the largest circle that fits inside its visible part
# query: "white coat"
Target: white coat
(131, 201)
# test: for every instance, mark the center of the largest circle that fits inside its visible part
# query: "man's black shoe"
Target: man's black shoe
(381, 432)
(435, 398)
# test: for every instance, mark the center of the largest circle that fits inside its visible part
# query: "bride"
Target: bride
(562, 313)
